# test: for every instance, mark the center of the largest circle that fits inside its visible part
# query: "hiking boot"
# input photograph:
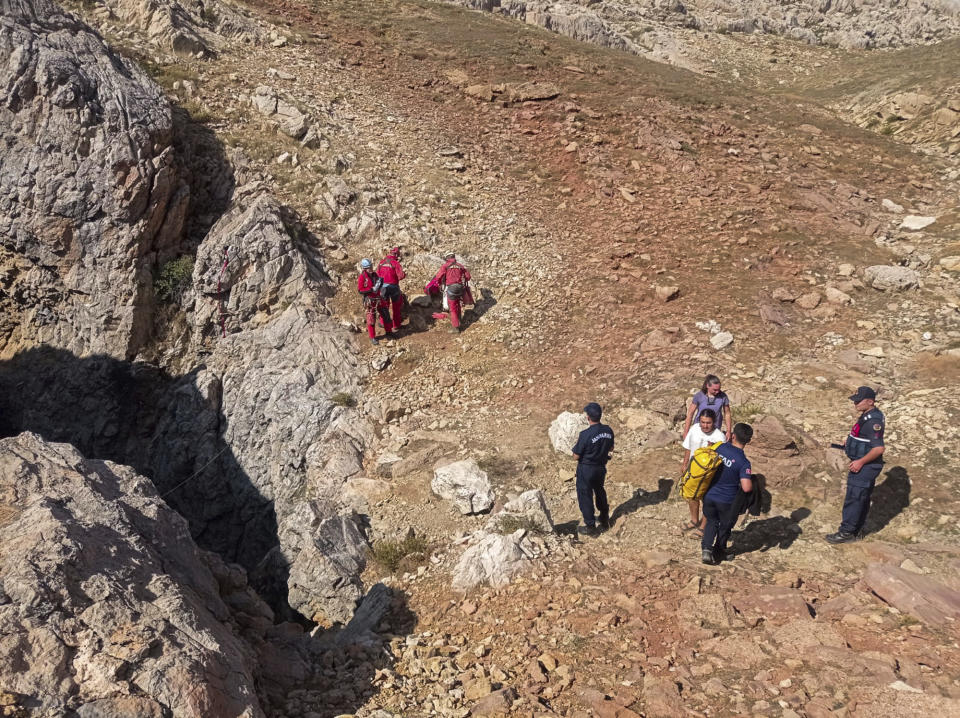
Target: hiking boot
(720, 555)
(842, 537)
(590, 531)
(706, 556)
(604, 523)
(374, 341)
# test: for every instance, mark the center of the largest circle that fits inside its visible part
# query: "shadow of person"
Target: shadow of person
(775, 532)
(889, 499)
(642, 498)
(481, 306)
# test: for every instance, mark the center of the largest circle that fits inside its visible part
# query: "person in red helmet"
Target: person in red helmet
(369, 285)
(390, 271)
(452, 278)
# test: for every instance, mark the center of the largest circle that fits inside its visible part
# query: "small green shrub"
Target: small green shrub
(510, 523)
(173, 279)
(343, 398)
(390, 553)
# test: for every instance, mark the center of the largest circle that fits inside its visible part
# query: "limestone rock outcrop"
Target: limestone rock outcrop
(107, 606)
(464, 484)
(90, 199)
(565, 430)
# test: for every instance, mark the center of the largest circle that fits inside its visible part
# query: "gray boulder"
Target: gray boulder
(326, 555)
(891, 278)
(494, 560)
(88, 212)
(108, 607)
(465, 484)
(565, 429)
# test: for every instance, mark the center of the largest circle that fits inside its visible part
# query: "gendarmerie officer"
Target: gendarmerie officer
(592, 452)
(864, 447)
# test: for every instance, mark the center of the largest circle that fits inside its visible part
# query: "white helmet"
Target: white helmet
(366, 264)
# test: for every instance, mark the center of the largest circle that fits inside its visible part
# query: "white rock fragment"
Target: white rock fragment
(915, 223)
(565, 429)
(721, 340)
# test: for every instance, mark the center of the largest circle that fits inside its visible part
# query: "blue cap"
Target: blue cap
(593, 410)
(863, 392)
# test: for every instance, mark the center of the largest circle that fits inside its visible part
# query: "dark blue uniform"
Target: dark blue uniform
(593, 447)
(866, 434)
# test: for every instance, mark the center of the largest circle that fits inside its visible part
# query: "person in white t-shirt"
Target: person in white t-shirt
(703, 433)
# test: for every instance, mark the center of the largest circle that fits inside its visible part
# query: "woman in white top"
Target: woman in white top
(703, 433)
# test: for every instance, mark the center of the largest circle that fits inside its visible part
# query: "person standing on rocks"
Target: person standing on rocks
(452, 278)
(864, 447)
(703, 433)
(718, 502)
(710, 396)
(368, 285)
(592, 452)
(390, 271)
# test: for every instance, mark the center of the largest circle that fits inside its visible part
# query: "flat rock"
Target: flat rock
(772, 602)
(892, 206)
(951, 264)
(921, 596)
(666, 293)
(836, 296)
(526, 91)
(915, 223)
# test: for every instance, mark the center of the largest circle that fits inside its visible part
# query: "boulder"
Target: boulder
(565, 430)
(465, 484)
(666, 293)
(657, 339)
(104, 593)
(836, 296)
(528, 510)
(774, 453)
(494, 560)
(808, 301)
(527, 91)
(325, 555)
(96, 206)
(921, 596)
(891, 278)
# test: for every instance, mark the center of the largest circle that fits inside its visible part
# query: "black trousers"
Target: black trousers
(720, 521)
(589, 484)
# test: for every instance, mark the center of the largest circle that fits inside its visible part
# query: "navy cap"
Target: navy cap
(863, 392)
(593, 410)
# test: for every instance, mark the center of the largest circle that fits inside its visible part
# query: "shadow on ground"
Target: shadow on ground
(889, 498)
(642, 498)
(765, 534)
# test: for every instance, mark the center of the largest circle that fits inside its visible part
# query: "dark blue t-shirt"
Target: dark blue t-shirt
(594, 445)
(735, 466)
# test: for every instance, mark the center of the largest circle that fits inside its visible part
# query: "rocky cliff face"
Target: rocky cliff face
(90, 198)
(106, 598)
(656, 27)
(95, 200)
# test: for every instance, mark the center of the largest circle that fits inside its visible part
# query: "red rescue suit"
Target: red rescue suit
(372, 302)
(453, 277)
(391, 273)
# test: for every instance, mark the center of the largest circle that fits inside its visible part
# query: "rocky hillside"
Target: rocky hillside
(391, 530)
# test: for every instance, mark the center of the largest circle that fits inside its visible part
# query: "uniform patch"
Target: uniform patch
(877, 427)
(746, 470)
